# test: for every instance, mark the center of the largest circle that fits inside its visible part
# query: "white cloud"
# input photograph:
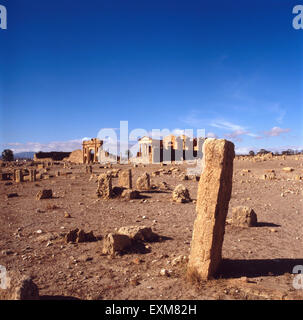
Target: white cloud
(235, 135)
(275, 131)
(253, 135)
(236, 130)
(211, 135)
(67, 146)
(222, 124)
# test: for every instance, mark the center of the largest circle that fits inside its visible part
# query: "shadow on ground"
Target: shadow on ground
(267, 224)
(142, 247)
(256, 267)
(58, 298)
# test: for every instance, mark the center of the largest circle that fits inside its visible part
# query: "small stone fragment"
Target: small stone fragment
(44, 194)
(115, 243)
(181, 194)
(243, 216)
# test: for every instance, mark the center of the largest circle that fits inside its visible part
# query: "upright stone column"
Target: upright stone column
(104, 189)
(83, 154)
(143, 182)
(214, 193)
(32, 175)
(125, 179)
(19, 175)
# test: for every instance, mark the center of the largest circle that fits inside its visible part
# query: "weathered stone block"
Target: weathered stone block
(243, 216)
(32, 175)
(115, 243)
(181, 194)
(142, 233)
(19, 176)
(125, 179)
(129, 194)
(44, 194)
(143, 182)
(104, 189)
(79, 236)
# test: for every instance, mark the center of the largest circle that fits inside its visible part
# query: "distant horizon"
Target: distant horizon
(233, 68)
(237, 151)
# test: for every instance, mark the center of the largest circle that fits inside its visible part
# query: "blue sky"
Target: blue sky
(71, 67)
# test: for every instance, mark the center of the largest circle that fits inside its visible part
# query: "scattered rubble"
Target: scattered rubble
(243, 216)
(115, 243)
(79, 236)
(142, 233)
(44, 194)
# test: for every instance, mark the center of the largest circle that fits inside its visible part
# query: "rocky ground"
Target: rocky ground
(258, 261)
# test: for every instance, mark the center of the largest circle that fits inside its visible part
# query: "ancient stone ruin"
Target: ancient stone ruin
(125, 179)
(90, 150)
(129, 194)
(143, 182)
(18, 175)
(44, 194)
(126, 238)
(32, 175)
(214, 193)
(78, 236)
(181, 194)
(243, 216)
(115, 243)
(170, 148)
(104, 189)
(141, 233)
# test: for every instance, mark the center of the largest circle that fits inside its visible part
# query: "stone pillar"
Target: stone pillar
(214, 193)
(104, 189)
(32, 175)
(125, 179)
(19, 175)
(143, 182)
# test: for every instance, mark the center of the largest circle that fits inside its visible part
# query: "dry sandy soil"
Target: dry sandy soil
(265, 254)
